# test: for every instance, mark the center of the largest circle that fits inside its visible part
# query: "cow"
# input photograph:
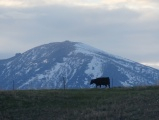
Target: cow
(101, 81)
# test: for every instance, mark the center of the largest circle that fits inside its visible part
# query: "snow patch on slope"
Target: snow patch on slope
(94, 68)
(88, 50)
(125, 84)
(83, 48)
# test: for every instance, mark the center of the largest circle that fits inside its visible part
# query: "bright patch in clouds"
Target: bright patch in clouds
(11, 3)
(132, 4)
(109, 4)
(154, 65)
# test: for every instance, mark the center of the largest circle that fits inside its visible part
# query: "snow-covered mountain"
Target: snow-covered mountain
(47, 66)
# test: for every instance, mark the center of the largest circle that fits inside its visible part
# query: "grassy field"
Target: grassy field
(138, 103)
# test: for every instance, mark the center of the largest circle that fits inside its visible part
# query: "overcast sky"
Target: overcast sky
(127, 28)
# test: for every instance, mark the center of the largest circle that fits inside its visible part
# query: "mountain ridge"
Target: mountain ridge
(45, 66)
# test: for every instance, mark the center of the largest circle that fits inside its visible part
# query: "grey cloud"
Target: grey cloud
(119, 31)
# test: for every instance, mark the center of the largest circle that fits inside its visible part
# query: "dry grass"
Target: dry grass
(86, 104)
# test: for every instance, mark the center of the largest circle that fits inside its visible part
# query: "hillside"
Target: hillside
(45, 67)
(138, 103)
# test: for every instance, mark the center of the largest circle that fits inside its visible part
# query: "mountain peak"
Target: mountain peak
(67, 41)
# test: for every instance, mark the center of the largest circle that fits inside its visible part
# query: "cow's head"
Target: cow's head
(92, 81)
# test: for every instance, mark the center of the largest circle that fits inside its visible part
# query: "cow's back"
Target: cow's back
(103, 80)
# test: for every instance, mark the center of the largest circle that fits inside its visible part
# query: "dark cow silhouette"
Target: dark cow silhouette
(101, 81)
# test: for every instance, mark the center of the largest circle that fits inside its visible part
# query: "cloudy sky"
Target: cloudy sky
(127, 28)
